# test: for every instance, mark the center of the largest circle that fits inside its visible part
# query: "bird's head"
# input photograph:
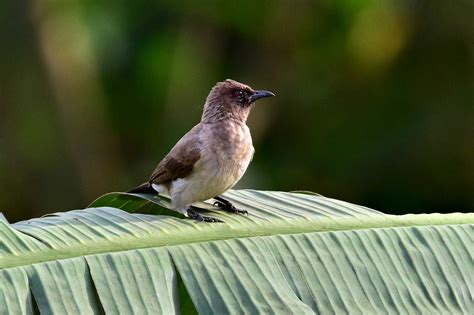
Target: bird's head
(231, 99)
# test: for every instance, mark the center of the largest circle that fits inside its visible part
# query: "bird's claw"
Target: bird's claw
(192, 214)
(209, 219)
(229, 207)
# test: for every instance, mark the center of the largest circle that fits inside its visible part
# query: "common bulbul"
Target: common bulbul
(212, 157)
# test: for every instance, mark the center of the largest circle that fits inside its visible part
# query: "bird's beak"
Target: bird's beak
(260, 94)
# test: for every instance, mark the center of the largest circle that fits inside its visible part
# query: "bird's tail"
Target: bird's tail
(143, 188)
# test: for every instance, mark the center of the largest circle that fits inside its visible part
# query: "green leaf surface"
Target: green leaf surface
(15, 297)
(63, 287)
(135, 281)
(294, 253)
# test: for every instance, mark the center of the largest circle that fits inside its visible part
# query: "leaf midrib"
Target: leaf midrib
(218, 232)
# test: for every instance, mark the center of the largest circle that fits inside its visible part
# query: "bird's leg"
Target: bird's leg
(193, 214)
(226, 205)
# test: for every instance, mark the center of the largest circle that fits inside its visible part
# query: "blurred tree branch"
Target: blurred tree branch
(74, 79)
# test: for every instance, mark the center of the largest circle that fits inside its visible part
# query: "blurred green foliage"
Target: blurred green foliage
(374, 98)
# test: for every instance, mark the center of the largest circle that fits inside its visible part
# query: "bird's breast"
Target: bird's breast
(234, 145)
(230, 151)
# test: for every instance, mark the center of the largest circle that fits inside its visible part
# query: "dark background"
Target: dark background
(374, 98)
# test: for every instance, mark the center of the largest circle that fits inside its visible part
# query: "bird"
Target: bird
(211, 157)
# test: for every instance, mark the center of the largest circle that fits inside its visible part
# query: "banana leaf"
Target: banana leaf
(294, 253)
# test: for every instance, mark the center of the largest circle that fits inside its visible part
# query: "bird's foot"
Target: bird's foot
(193, 214)
(226, 205)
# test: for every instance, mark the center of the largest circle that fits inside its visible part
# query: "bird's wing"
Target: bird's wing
(181, 159)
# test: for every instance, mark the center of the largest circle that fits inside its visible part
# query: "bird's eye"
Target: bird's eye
(239, 93)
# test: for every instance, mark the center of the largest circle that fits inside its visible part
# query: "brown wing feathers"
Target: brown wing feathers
(177, 164)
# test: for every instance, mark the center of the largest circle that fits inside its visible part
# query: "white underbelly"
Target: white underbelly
(207, 180)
